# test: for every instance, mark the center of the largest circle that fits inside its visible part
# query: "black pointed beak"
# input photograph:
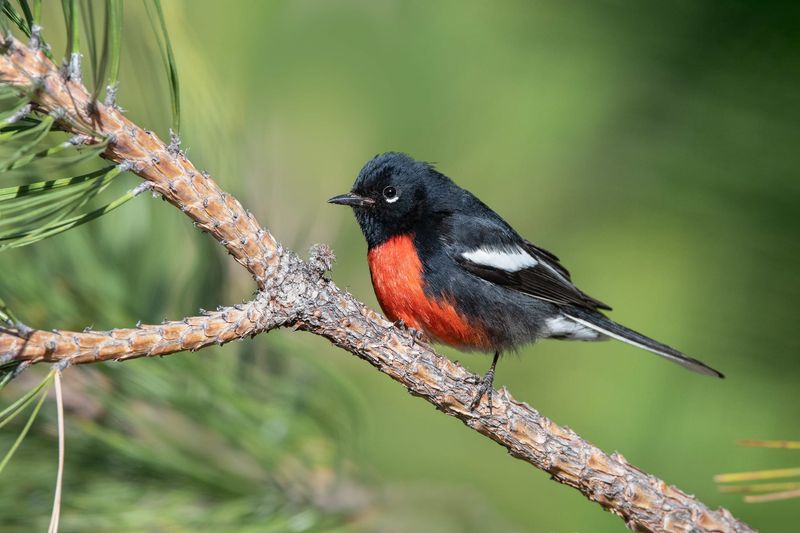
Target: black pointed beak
(352, 200)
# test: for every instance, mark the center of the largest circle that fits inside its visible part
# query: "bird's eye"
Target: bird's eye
(390, 193)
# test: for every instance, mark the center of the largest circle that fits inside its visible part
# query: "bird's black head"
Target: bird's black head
(393, 194)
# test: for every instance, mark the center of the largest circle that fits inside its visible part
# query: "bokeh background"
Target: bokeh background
(651, 145)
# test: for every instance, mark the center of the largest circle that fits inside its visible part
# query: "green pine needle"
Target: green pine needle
(71, 20)
(6, 315)
(51, 218)
(27, 139)
(45, 187)
(86, 8)
(16, 18)
(28, 424)
(159, 25)
(114, 39)
(27, 238)
(18, 406)
(27, 12)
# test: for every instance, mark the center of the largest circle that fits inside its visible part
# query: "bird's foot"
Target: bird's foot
(484, 388)
(416, 335)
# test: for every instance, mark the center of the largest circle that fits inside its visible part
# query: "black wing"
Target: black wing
(546, 279)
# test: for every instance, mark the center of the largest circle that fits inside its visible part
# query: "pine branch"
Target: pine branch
(295, 293)
(192, 333)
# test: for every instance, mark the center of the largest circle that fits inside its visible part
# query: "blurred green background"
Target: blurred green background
(651, 145)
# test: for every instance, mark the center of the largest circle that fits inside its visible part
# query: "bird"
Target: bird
(445, 265)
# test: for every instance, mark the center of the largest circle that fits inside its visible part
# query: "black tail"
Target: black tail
(608, 327)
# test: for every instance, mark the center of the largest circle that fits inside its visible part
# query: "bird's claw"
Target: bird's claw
(416, 335)
(484, 388)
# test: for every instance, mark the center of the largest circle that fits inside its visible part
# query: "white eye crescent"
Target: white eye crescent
(390, 194)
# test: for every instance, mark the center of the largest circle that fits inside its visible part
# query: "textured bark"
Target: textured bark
(296, 294)
(191, 333)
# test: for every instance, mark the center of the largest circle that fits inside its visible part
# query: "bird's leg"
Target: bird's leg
(485, 386)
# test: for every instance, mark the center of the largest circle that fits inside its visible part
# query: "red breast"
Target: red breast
(397, 279)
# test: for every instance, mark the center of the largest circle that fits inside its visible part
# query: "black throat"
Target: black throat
(380, 226)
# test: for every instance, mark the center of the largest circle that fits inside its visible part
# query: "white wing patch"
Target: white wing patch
(567, 328)
(510, 259)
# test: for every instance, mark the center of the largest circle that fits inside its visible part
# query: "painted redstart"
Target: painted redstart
(446, 265)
